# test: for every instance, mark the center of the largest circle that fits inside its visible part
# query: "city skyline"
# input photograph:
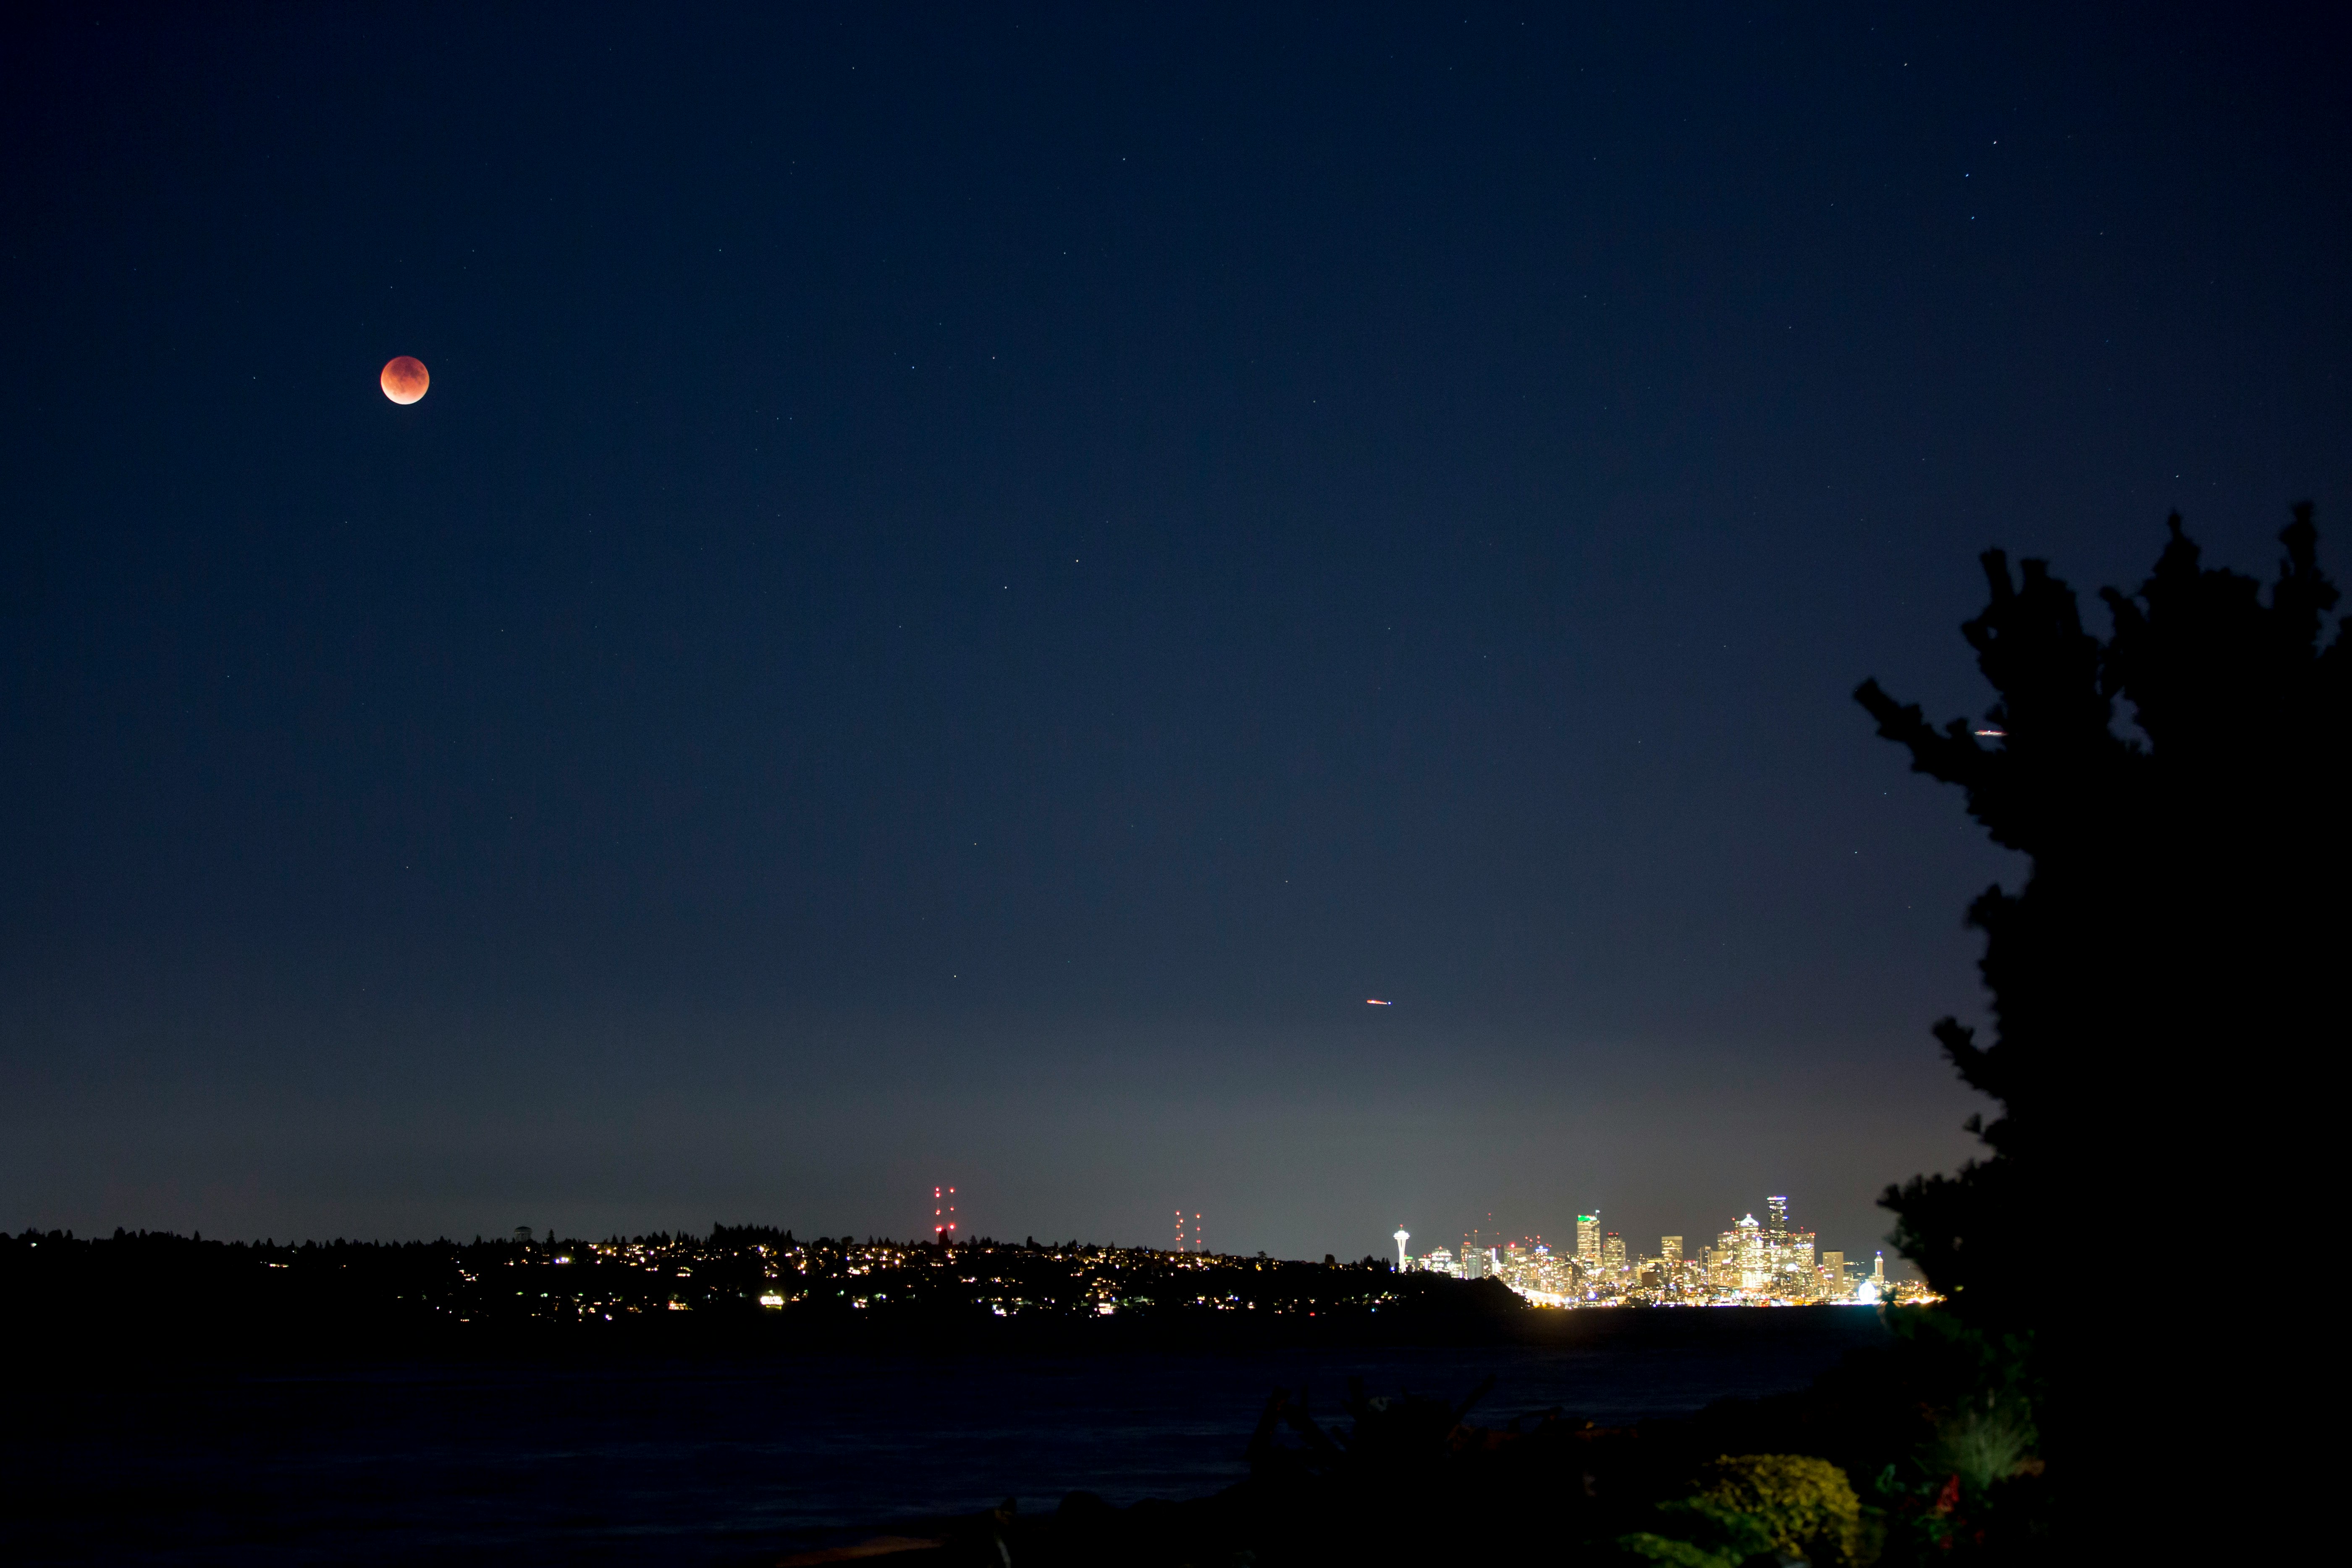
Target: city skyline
(1751, 1262)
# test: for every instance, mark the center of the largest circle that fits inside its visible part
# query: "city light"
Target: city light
(1768, 1263)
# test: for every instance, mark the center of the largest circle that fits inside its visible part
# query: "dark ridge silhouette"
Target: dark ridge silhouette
(168, 1298)
(2165, 986)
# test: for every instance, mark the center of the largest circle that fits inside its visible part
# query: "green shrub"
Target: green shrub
(1651, 1547)
(1706, 1535)
(1981, 1444)
(1805, 1507)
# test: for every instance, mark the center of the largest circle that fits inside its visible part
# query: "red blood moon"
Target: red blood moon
(405, 379)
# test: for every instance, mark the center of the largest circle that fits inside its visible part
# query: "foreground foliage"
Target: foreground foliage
(1407, 1478)
(1751, 1505)
(2185, 899)
(2162, 985)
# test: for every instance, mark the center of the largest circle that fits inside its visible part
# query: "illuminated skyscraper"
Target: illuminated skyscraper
(1777, 1211)
(1797, 1267)
(1588, 1243)
(1670, 1250)
(1544, 1271)
(1755, 1265)
(1612, 1253)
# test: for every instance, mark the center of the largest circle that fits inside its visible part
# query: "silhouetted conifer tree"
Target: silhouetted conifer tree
(2161, 985)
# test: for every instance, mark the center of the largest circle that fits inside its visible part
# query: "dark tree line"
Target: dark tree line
(167, 1296)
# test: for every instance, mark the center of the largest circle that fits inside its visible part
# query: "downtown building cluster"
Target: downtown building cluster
(1772, 1263)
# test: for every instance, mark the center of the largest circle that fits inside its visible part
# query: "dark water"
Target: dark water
(738, 1462)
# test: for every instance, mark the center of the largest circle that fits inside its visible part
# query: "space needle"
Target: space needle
(1402, 1235)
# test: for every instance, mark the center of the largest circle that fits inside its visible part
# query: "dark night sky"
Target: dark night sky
(967, 589)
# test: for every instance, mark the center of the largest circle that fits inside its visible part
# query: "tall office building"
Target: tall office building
(1612, 1253)
(1755, 1255)
(1512, 1266)
(1670, 1250)
(1798, 1278)
(1723, 1261)
(1552, 1274)
(1588, 1243)
(1778, 1209)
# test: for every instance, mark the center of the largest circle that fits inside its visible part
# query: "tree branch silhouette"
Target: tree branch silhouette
(2160, 982)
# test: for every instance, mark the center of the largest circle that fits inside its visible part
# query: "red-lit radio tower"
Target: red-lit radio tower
(942, 1215)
